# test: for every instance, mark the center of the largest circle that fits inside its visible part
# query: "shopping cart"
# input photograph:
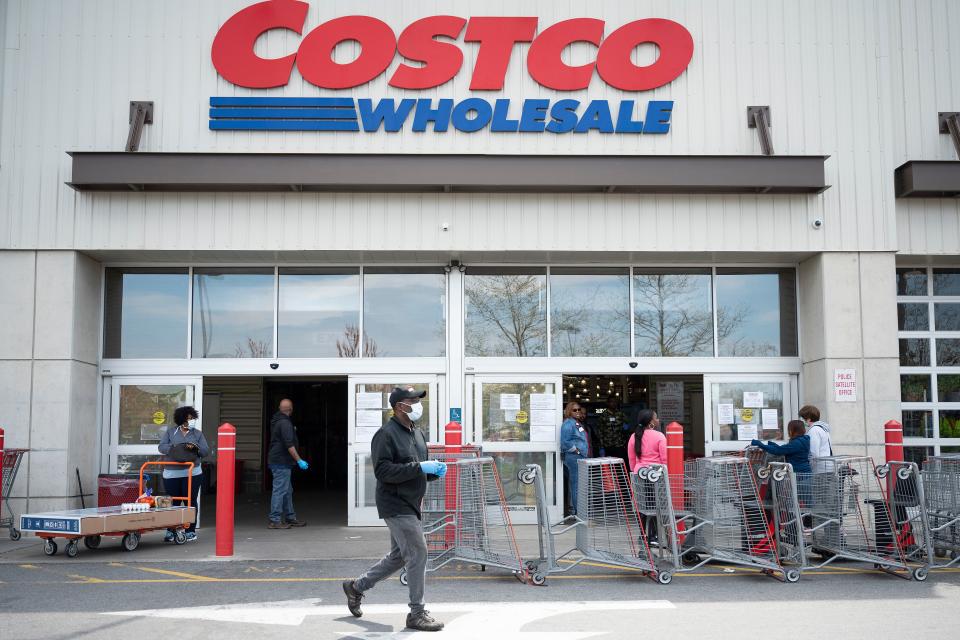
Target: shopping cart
(943, 462)
(941, 492)
(840, 511)
(710, 512)
(8, 472)
(468, 520)
(608, 525)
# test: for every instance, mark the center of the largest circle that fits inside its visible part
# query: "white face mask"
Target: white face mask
(192, 423)
(416, 412)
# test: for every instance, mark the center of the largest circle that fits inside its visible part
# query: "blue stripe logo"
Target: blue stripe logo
(533, 115)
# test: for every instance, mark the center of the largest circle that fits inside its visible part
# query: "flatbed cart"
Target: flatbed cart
(8, 471)
(92, 525)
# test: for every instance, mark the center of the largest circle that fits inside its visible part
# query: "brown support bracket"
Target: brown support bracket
(758, 117)
(949, 122)
(141, 113)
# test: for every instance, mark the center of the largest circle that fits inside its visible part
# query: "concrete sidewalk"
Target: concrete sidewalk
(326, 537)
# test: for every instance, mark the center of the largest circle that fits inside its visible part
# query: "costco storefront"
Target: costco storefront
(718, 211)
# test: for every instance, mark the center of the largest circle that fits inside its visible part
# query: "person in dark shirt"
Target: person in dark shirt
(399, 456)
(282, 457)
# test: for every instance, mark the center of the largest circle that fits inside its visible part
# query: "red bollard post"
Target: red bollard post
(893, 437)
(226, 487)
(675, 465)
(453, 443)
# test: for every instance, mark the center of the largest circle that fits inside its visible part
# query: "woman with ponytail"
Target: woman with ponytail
(646, 446)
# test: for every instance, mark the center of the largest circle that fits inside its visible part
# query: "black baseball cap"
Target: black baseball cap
(404, 393)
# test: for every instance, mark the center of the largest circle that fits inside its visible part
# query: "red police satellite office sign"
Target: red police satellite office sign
(432, 55)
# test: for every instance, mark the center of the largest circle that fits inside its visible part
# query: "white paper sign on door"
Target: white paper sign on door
(365, 434)
(543, 417)
(752, 399)
(769, 418)
(510, 401)
(746, 432)
(543, 401)
(725, 413)
(543, 433)
(369, 418)
(370, 400)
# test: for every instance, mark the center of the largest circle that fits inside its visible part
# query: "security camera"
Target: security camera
(633, 365)
(817, 223)
(445, 226)
(274, 365)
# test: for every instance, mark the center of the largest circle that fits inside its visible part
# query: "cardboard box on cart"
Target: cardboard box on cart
(98, 521)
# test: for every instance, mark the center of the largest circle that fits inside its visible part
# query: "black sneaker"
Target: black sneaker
(353, 598)
(421, 621)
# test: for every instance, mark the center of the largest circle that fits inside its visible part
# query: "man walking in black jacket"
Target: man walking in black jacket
(282, 457)
(399, 456)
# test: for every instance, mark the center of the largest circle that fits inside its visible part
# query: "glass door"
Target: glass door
(368, 410)
(141, 410)
(743, 407)
(517, 422)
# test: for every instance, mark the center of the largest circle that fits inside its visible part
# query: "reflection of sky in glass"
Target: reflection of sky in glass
(686, 325)
(506, 315)
(233, 315)
(154, 310)
(589, 315)
(749, 304)
(403, 314)
(315, 312)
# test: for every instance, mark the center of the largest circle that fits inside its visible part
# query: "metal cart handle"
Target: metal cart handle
(188, 465)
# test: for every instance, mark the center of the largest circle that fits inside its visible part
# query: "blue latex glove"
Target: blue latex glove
(303, 465)
(755, 443)
(434, 468)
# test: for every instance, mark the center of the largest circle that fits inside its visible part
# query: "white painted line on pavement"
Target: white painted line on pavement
(499, 619)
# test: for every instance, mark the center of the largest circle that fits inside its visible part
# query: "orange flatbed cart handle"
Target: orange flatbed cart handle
(188, 465)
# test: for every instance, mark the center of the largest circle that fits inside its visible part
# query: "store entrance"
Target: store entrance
(320, 415)
(674, 397)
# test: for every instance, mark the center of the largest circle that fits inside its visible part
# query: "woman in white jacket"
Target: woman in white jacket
(819, 432)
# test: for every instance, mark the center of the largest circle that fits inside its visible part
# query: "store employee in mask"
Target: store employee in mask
(399, 456)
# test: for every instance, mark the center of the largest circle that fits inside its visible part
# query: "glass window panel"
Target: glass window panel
(949, 450)
(918, 424)
(914, 352)
(145, 313)
(756, 312)
(949, 424)
(917, 454)
(233, 313)
(515, 491)
(948, 352)
(913, 316)
(589, 313)
(911, 282)
(915, 388)
(672, 313)
(129, 464)
(146, 411)
(731, 393)
(319, 314)
(946, 316)
(506, 312)
(948, 387)
(502, 421)
(404, 313)
(946, 282)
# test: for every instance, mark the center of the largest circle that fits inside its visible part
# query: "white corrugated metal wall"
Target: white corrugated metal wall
(824, 67)
(241, 404)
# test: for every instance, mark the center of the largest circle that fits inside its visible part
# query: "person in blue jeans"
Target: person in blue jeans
(574, 445)
(282, 457)
(184, 442)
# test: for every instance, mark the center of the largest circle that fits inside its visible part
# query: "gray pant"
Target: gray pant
(408, 548)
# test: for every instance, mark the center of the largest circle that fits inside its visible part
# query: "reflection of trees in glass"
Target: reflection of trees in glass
(506, 315)
(347, 345)
(590, 322)
(672, 315)
(253, 349)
